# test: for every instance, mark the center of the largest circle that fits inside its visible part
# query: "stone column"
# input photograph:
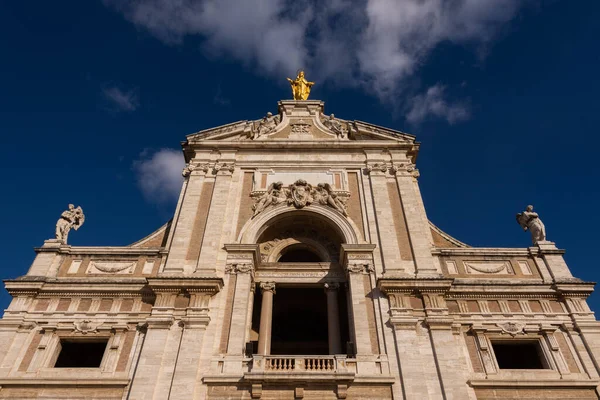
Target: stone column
(266, 318)
(333, 319)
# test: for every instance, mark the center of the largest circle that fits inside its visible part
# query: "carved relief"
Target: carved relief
(300, 127)
(512, 328)
(275, 195)
(239, 268)
(340, 129)
(356, 268)
(503, 267)
(265, 126)
(115, 267)
(301, 194)
(324, 195)
(85, 326)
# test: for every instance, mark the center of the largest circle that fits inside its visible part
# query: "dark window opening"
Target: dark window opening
(299, 255)
(300, 321)
(80, 354)
(519, 355)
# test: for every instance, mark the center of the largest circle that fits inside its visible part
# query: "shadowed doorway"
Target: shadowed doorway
(300, 321)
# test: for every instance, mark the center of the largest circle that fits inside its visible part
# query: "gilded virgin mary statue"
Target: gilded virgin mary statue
(300, 86)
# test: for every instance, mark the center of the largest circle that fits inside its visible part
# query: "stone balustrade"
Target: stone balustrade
(317, 364)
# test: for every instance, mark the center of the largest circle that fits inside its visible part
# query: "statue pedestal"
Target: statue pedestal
(553, 257)
(546, 245)
(53, 243)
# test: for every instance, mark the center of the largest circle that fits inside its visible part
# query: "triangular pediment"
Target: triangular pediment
(300, 121)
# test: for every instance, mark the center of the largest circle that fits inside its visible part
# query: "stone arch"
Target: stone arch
(280, 246)
(254, 228)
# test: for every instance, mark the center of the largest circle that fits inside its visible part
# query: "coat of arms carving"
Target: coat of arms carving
(300, 194)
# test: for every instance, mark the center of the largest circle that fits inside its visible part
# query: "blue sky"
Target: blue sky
(95, 98)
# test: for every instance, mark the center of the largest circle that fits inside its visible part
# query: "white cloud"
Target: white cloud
(159, 175)
(122, 100)
(379, 45)
(432, 102)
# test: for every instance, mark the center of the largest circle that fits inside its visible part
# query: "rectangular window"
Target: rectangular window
(81, 353)
(519, 354)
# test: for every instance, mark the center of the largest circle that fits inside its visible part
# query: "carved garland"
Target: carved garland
(111, 268)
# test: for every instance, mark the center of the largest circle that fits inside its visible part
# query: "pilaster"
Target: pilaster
(183, 226)
(212, 242)
(384, 218)
(416, 219)
(358, 263)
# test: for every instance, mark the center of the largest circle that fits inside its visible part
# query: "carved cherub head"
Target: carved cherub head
(529, 208)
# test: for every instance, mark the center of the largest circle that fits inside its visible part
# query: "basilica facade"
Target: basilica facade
(299, 264)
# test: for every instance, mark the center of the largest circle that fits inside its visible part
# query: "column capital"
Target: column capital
(267, 287)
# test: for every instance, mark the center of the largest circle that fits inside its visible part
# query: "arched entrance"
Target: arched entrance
(300, 301)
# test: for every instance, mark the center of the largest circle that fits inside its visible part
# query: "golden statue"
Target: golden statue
(300, 86)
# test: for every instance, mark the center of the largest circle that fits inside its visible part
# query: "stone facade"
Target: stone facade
(410, 312)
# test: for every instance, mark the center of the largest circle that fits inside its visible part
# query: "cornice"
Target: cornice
(574, 289)
(304, 144)
(49, 286)
(105, 251)
(409, 285)
(209, 284)
(101, 382)
(480, 251)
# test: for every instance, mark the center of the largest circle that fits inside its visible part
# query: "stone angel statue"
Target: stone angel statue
(335, 126)
(324, 195)
(530, 220)
(274, 195)
(71, 218)
(266, 125)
